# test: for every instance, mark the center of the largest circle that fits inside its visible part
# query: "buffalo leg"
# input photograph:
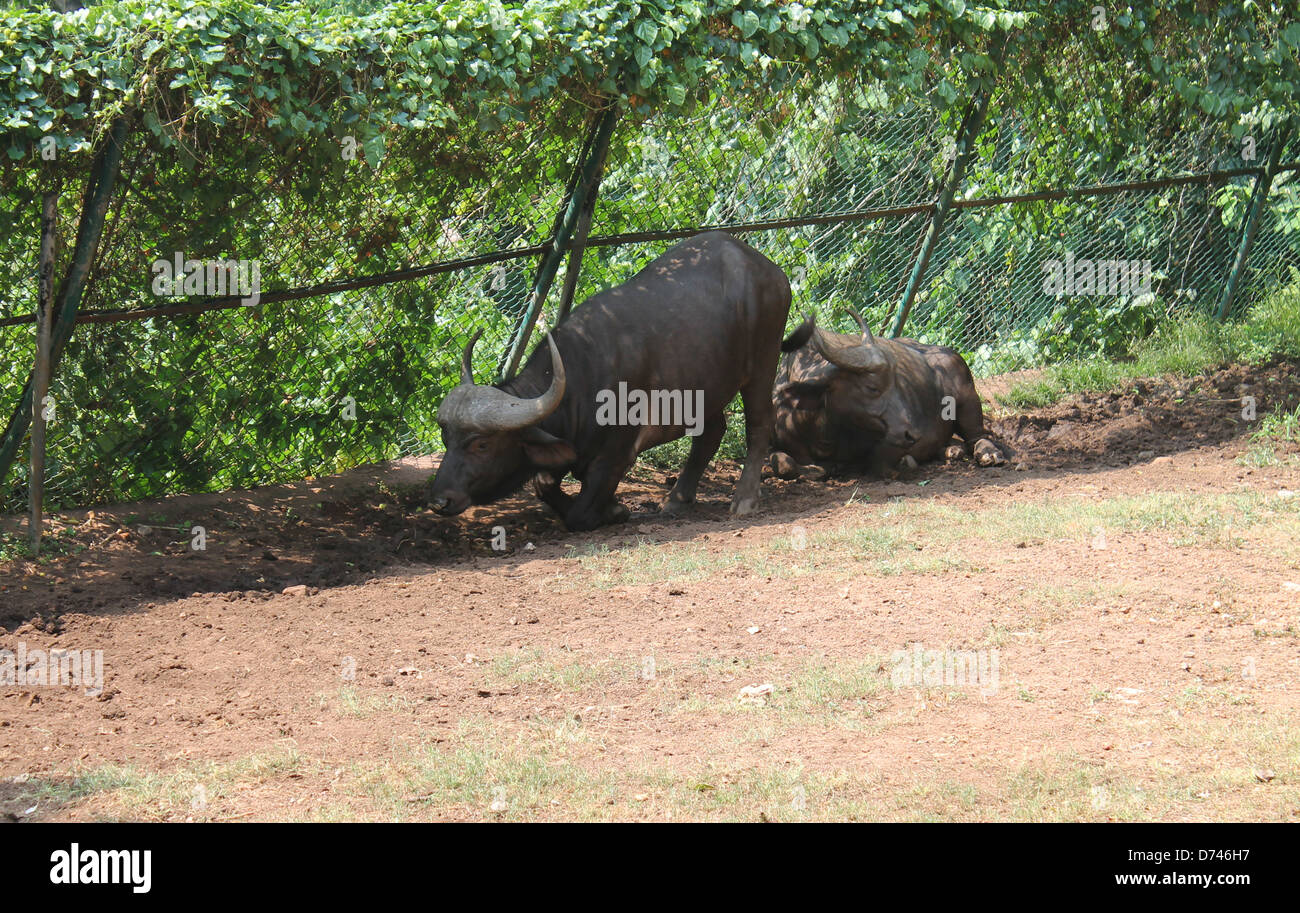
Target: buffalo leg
(703, 448)
(758, 437)
(970, 425)
(988, 453)
(595, 504)
(784, 466)
(547, 487)
(970, 416)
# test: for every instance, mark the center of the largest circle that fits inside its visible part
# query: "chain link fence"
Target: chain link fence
(372, 280)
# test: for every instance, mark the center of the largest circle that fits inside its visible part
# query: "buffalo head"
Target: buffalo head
(867, 368)
(493, 439)
(838, 393)
(872, 369)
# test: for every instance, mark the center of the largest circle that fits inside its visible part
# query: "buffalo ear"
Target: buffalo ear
(547, 450)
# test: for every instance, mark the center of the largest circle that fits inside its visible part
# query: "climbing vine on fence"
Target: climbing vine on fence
(200, 72)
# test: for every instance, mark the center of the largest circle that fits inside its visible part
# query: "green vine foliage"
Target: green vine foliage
(201, 74)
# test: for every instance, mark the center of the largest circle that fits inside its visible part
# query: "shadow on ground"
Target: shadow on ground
(348, 528)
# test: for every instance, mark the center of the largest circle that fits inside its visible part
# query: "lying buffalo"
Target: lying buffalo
(874, 402)
(684, 335)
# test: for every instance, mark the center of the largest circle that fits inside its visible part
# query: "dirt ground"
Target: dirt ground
(1129, 581)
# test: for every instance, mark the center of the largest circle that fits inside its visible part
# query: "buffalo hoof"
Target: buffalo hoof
(674, 506)
(813, 473)
(907, 463)
(741, 507)
(988, 454)
(581, 522)
(784, 466)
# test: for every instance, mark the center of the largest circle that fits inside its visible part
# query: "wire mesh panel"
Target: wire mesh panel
(1026, 283)
(245, 392)
(370, 281)
(830, 161)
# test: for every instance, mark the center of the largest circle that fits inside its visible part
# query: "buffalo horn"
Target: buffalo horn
(488, 409)
(862, 324)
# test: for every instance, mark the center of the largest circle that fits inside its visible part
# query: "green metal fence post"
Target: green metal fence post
(971, 125)
(99, 190)
(1263, 184)
(41, 370)
(587, 171)
(578, 245)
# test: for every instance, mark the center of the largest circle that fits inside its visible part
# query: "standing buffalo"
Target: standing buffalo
(635, 366)
(874, 402)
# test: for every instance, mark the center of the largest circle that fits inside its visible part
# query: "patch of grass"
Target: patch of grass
(835, 687)
(839, 693)
(1035, 394)
(533, 666)
(1064, 379)
(1280, 425)
(545, 771)
(1200, 696)
(485, 772)
(353, 702)
(648, 561)
(1271, 327)
(200, 790)
(57, 541)
(924, 537)
(1226, 783)
(715, 667)
(1288, 631)
(1182, 348)
(13, 547)
(838, 554)
(722, 793)
(1263, 455)
(898, 547)
(334, 813)
(737, 795)
(996, 635)
(1044, 605)
(1068, 788)
(1276, 428)
(86, 782)
(1203, 518)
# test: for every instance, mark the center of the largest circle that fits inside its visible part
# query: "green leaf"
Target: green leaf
(374, 150)
(646, 30)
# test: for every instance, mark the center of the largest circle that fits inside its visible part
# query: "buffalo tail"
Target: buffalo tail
(801, 334)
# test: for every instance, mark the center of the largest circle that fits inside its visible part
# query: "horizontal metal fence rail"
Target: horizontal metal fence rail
(432, 269)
